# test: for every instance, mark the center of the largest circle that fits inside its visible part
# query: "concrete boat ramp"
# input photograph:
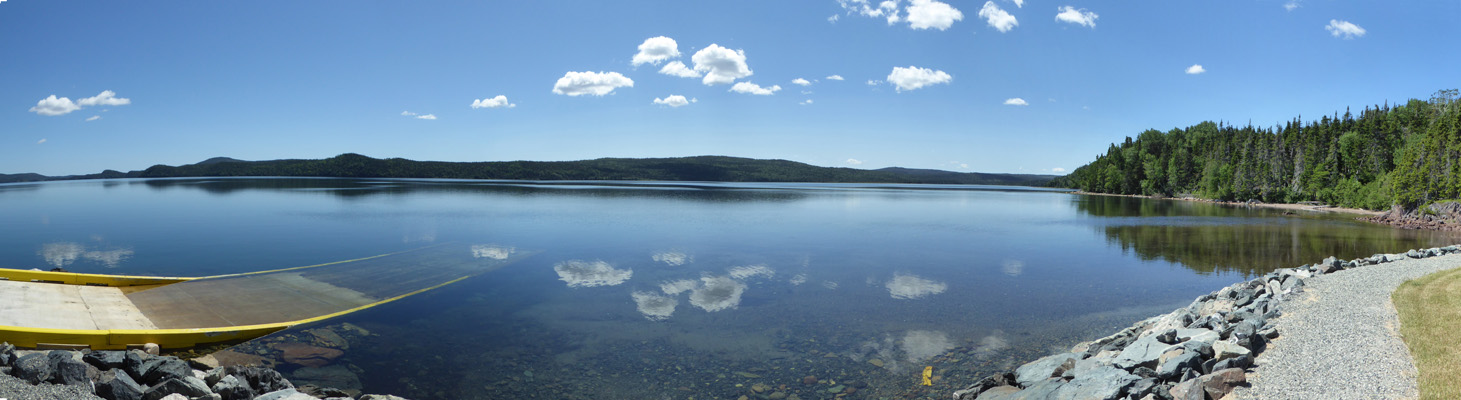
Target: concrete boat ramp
(69, 310)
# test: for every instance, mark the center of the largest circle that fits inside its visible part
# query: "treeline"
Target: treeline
(1407, 155)
(702, 168)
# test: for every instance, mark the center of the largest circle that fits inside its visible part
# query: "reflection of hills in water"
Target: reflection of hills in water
(361, 188)
(1247, 241)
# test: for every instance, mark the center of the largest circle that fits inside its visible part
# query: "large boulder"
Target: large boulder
(34, 368)
(106, 360)
(162, 369)
(989, 382)
(1043, 368)
(1174, 367)
(261, 380)
(1103, 383)
(133, 361)
(1143, 352)
(286, 394)
(1221, 382)
(68, 370)
(1223, 350)
(116, 384)
(994, 393)
(189, 387)
(232, 388)
(7, 354)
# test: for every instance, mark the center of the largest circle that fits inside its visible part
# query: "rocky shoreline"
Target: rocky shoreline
(144, 375)
(1441, 216)
(1202, 351)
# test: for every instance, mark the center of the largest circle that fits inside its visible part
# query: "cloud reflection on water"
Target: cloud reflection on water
(913, 287)
(493, 251)
(61, 254)
(1012, 267)
(673, 258)
(717, 293)
(654, 306)
(580, 273)
(748, 271)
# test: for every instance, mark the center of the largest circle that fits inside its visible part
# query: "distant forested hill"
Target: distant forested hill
(702, 168)
(1407, 155)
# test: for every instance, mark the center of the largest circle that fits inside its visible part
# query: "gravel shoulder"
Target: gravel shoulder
(16, 389)
(1340, 337)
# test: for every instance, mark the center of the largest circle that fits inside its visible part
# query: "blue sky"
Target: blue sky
(140, 83)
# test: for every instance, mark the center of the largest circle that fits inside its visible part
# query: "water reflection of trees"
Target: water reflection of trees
(1261, 242)
(363, 188)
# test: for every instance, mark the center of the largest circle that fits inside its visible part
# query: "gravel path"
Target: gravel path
(13, 388)
(1340, 338)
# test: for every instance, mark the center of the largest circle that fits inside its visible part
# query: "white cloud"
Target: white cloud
(914, 77)
(751, 88)
(61, 254)
(913, 287)
(673, 101)
(1019, 3)
(656, 49)
(106, 98)
(41, 141)
(493, 102)
(801, 81)
(833, 18)
(590, 83)
(676, 68)
(806, 102)
(1346, 29)
(1195, 69)
(874, 82)
(655, 307)
(835, 77)
(672, 258)
(494, 252)
(93, 118)
(676, 287)
(1079, 17)
(1291, 5)
(717, 293)
(865, 8)
(431, 117)
(721, 65)
(589, 274)
(407, 113)
(1057, 169)
(997, 17)
(1016, 101)
(854, 161)
(53, 106)
(924, 14)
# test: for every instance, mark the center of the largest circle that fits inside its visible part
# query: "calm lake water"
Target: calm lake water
(692, 290)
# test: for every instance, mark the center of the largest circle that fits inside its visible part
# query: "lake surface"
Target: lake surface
(691, 290)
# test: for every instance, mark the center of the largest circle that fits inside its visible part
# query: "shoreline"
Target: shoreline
(1204, 350)
(1278, 206)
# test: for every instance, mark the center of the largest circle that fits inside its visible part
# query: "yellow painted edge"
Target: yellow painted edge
(118, 339)
(73, 278)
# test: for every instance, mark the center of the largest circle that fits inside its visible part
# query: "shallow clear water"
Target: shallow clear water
(680, 290)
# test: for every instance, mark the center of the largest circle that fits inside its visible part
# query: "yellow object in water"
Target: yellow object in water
(928, 376)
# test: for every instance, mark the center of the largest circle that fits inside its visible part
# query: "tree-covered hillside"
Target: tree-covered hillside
(1406, 155)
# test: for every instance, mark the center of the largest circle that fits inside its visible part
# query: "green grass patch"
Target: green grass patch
(1430, 319)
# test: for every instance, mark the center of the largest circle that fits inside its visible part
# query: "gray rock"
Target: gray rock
(1142, 353)
(261, 380)
(34, 368)
(116, 384)
(1220, 383)
(232, 388)
(1175, 367)
(1223, 350)
(286, 394)
(132, 362)
(994, 393)
(1104, 383)
(7, 354)
(70, 371)
(189, 387)
(1240, 362)
(1188, 390)
(1044, 389)
(1043, 368)
(162, 369)
(989, 382)
(383, 397)
(105, 360)
(1142, 388)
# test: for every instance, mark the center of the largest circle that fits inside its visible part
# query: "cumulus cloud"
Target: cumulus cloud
(925, 14)
(590, 83)
(833, 18)
(874, 82)
(53, 106)
(1291, 5)
(93, 118)
(655, 307)
(655, 50)
(749, 271)
(854, 161)
(672, 258)
(806, 102)
(676, 287)
(997, 17)
(591, 273)
(494, 252)
(751, 88)
(1078, 17)
(884, 9)
(1019, 3)
(106, 98)
(912, 287)
(494, 102)
(673, 101)
(801, 81)
(431, 117)
(912, 77)
(1195, 69)
(721, 65)
(1057, 169)
(1344, 29)
(834, 77)
(676, 68)
(1016, 101)
(717, 293)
